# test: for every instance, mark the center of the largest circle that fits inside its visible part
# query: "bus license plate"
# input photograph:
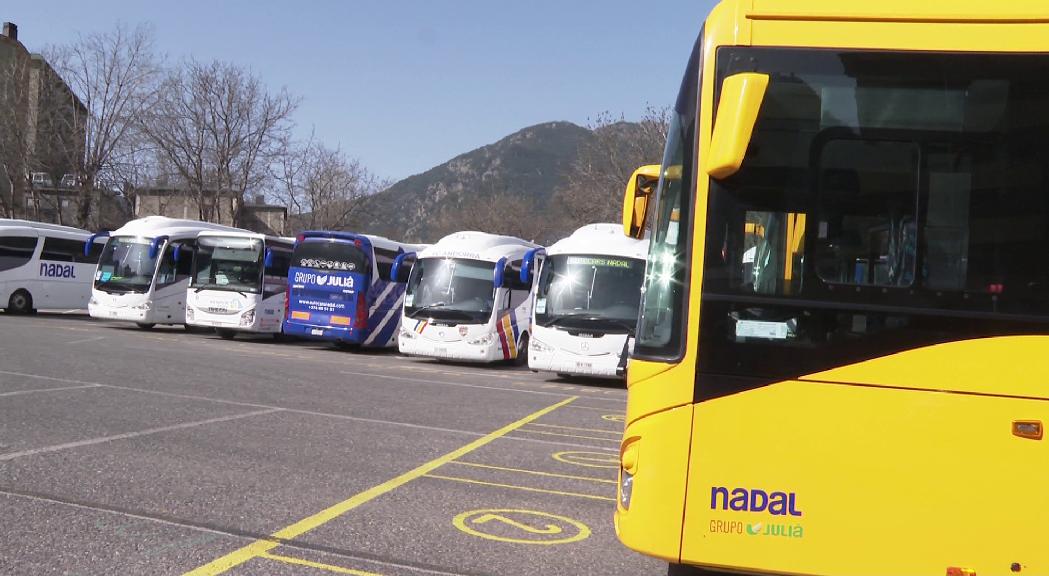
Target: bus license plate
(440, 350)
(317, 332)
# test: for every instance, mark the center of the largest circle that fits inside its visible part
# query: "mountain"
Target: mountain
(505, 187)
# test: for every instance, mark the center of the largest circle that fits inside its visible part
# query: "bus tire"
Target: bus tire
(226, 334)
(21, 302)
(522, 351)
(145, 325)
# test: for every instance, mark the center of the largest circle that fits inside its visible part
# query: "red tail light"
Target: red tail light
(287, 302)
(361, 320)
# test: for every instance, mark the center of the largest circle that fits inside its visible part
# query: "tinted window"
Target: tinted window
(63, 250)
(16, 251)
(384, 261)
(281, 262)
(335, 255)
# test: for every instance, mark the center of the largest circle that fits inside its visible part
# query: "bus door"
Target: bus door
(384, 300)
(329, 281)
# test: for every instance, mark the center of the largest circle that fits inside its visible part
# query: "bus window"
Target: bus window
(330, 255)
(868, 201)
(63, 250)
(166, 270)
(281, 263)
(16, 251)
(384, 261)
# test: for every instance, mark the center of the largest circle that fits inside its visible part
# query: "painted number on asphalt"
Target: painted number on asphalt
(521, 526)
(614, 417)
(588, 459)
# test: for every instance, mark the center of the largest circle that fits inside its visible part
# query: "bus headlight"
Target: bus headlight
(539, 345)
(145, 306)
(627, 469)
(247, 318)
(189, 312)
(626, 488)
(407, 334)
(482, 341)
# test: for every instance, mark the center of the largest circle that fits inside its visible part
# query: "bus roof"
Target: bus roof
(895, 10)
(153, 226)
(606, 239)
(246, 234)
(376, 241)
(8, 223)
(478, 246)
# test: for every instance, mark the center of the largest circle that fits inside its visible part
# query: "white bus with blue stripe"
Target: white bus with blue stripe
(239, 283)
(339, 289)
(144, 270)
(586, 302)
(467, 301)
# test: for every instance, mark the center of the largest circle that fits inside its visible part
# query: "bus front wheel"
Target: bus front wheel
(21, 302)
(522, 352)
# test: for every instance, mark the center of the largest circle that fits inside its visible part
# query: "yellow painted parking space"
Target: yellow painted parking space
(263, 546)
(588, 459)
(521, 526)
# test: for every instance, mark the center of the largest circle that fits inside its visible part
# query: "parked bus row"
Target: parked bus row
(472, 296)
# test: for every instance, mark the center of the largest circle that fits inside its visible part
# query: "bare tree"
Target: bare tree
(321, 187)
(15, 140)
(594, 184)
(218, 127)
(114, 75)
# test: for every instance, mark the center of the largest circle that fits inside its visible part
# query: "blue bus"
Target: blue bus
(339, 289)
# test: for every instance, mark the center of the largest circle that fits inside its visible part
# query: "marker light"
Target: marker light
(628, 467)
(955, 571)
(1030, 429)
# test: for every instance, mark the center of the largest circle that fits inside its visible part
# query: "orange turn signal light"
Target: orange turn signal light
(955, 571)
(1030, 429)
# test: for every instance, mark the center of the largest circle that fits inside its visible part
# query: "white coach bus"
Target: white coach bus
(586, 302)
(44, 266)
(145, 269)
(239, 282)
(466, 300)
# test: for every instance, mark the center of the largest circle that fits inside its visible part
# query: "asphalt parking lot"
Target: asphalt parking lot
(167, 452)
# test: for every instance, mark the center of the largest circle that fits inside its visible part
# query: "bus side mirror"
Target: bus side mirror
(91, 240)
(639, 189)
(528, 265)
(400, 271)
(500, 272)
(738, 107)
(154, 246)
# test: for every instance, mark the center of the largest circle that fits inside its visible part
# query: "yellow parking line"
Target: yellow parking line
(605, 410)
(516, 487)
(317, 565)
(535, 472)
(616, 432)
(259, 547)
(616, 440)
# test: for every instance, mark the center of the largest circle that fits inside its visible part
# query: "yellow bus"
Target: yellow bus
(842, 360)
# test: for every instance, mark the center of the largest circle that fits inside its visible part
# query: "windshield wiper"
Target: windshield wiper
(427, 307)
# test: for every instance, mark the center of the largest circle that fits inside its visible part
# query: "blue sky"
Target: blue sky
(406, 85)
